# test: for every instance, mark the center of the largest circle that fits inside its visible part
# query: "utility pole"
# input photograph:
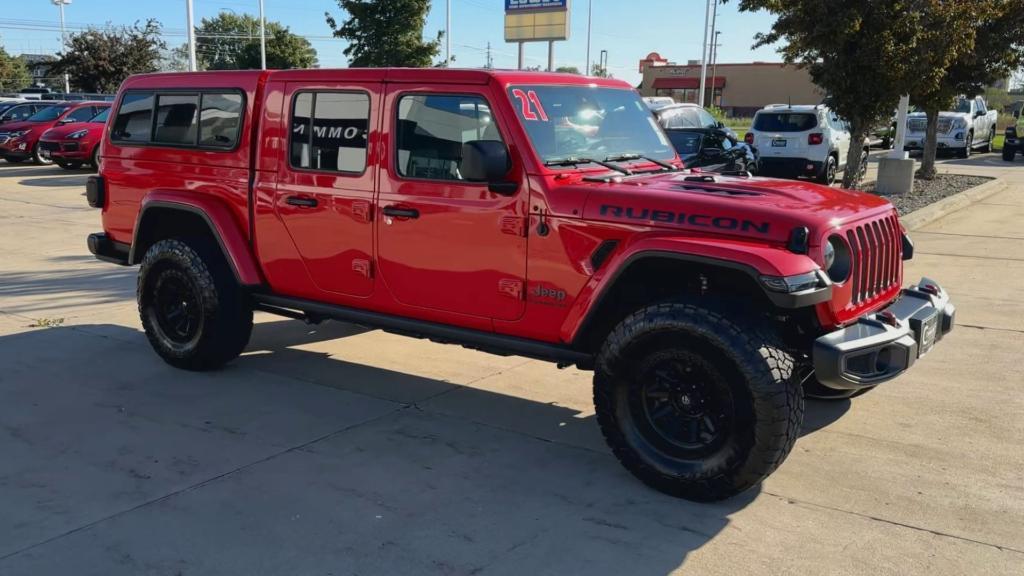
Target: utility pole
(590, 14)
(448, 34)
(704, 55)
(713, 49)
(490, 61)
(263, 38)
(63, 38)
(714, 65)
(191, 37)
(603, 62)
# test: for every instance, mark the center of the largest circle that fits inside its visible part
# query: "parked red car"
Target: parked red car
(19, 141)
(72, 145)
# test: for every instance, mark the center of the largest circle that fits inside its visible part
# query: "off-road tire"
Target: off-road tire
(73, 165)
(1008, 153)
(38, 158)
(767, 402)
(224, 317)
(829, 171)
(815, 390)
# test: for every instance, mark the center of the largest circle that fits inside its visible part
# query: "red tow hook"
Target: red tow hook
(931, 289)
(888, 318)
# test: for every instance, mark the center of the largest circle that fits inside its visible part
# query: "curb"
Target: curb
(932, 212)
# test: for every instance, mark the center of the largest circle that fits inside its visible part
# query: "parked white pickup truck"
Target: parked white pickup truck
(968, 126)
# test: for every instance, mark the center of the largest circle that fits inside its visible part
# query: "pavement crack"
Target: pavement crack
(977, 327)
(939, 533)
(971, 256)
(969, 235)
(297, 448)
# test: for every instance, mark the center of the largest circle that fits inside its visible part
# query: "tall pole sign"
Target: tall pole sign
(536, 21)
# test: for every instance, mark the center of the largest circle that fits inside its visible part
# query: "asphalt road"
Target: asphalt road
(335, 450)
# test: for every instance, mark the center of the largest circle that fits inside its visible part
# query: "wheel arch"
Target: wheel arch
(165, 214)
(658, 273)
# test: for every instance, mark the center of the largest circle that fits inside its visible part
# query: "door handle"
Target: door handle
(302, 201)
(396, 212)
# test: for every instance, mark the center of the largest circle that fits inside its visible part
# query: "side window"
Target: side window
(80, 115)
(432, 130)
(134, 118)
(706, 119)
(329, 131)
(176, 119)
(981, 105)
(219, 120)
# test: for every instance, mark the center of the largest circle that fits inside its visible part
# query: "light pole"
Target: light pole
(590, 14)
(63, 38)
(191, 36)
(704, 56)
(714, 65)
(603, 59)
(263, 39)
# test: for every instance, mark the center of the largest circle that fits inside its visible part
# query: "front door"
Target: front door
(325, 190)
(445, 243)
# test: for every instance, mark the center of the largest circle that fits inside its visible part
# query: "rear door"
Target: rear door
(445, 243)
(840, 137)
(783, 133)
(325, 189)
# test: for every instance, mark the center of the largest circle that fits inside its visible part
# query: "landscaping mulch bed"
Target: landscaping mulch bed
(930, 191)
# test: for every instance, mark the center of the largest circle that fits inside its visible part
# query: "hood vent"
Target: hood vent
(715, 191)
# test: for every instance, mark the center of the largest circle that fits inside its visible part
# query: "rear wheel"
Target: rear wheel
(693, 404)
(95, 161)
(195, 315)
(828, 171)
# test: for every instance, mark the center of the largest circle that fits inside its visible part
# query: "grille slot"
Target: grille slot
(876, 249)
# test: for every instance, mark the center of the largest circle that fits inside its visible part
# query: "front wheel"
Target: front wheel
(966, 151)
(1008, 153)
(39, 158)
(694, 404)
(195, 315)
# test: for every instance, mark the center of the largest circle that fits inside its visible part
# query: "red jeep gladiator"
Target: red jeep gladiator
(519, 213)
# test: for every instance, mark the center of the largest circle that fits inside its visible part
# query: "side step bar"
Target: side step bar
(475, 339)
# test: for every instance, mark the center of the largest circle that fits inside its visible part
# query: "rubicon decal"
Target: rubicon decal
(695, 220)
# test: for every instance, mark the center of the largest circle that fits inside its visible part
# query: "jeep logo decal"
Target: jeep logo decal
(549, 295)
(696, 220)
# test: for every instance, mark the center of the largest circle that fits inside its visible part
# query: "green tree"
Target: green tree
(232, 42)
(384, 33)
(863, 53)
(989, 48)
(568, 70)
(13, 73)
(600, 71)
(99, 60)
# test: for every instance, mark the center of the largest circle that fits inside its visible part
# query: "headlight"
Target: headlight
(78, 134)
(837, 259)
(18, 134)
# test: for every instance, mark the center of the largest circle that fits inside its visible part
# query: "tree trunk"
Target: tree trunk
(931, 144)
(852, 174)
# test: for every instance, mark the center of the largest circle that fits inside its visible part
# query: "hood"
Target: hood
(61, 132)
(764, 209)
(17, 126)
(941, 114)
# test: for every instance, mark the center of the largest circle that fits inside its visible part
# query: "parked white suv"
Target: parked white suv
(801, 142)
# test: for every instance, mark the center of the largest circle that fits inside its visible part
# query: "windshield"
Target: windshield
(101, 117)
(48, 114)
(566, 122)
(963, 106)
(784, 122)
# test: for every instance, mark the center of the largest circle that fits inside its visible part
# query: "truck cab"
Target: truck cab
(541, 215)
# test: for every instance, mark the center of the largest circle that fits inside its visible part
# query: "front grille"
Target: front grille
(921, 125)
(70, 146)
(49, 146)
(877, 251)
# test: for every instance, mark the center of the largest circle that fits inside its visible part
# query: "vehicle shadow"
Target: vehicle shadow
(56, 181)
(482, 495)
(79, 279)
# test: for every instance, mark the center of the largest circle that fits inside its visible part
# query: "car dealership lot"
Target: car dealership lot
(333, 450)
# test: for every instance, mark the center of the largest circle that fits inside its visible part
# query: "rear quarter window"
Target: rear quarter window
(205, 119)
(134, 118)
(785, 121)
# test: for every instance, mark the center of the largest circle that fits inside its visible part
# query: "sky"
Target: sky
(627, 29)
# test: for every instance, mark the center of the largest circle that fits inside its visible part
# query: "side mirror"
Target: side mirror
(488, 161)
(720, 124)
(978, 113)
(66, 121)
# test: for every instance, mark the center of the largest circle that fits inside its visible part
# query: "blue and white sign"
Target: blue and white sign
(520, 5)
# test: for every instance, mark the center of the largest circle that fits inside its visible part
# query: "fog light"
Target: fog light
(959, 136)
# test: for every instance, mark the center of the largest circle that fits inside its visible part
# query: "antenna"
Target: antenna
(790, 100)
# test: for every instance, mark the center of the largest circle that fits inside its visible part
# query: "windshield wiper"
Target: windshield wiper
(577, 160)
(627, 157)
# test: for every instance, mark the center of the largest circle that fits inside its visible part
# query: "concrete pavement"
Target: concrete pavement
(335, 450)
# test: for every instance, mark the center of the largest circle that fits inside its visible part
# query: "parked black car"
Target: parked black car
(704, 142)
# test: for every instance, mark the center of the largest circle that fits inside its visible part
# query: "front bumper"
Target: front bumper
(64, 149)
(883, 345)
(915, 141)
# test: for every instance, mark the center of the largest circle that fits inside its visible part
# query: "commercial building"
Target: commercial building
(739, 89)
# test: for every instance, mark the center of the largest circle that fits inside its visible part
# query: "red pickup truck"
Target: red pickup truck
(532, 214)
